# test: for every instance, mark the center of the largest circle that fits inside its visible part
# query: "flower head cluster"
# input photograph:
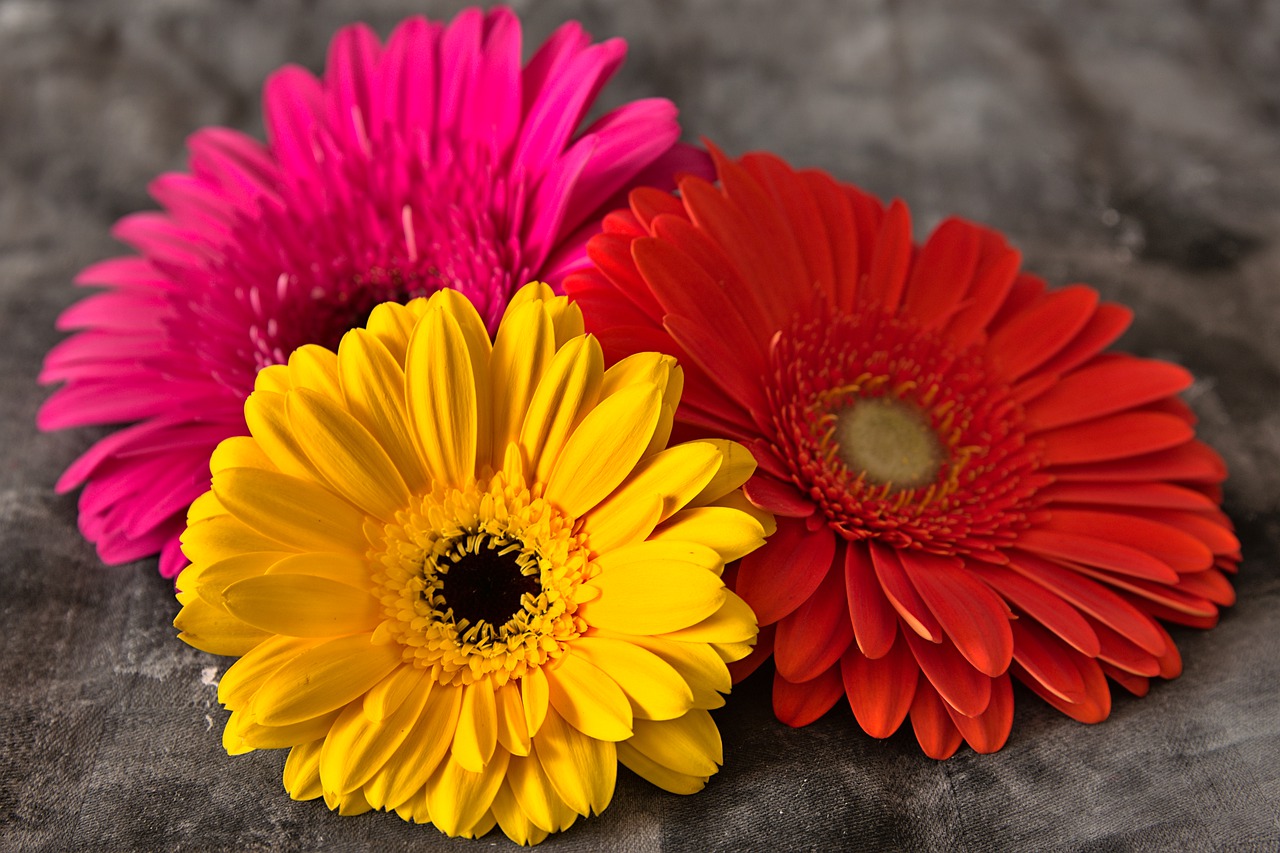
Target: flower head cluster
(969, 487)
(431, 161)
(464, 579)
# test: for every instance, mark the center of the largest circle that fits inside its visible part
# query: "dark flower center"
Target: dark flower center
(485, 580)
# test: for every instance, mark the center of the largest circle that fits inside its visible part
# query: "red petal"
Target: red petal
(1214, 529)
(1118, 651)
(957, 682)
(1211, 585)
(1144, 592)
(1041, 605)
(777, 497)
(841, 236)
(890, 260)
(1032, 336)
(1106, 387)
(1170, 545)
(974, 617)
(938, 736)
(988, 731)
(1154, 495)
(1107, 323)
(903, 595)
(1045, 659)
(880, 691)
(800, 704)
(1114, 437)
(777, 577)
(1097, 704)
(1135, 684)
(611, 256)
(648, 203)
(801, 213)
(1096, 552)
(942, 272)
(1094, 599)
(814, 636)
(997, 269)
(1188, 462)
(875, 624)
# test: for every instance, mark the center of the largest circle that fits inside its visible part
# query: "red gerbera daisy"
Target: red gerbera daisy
(967, 486)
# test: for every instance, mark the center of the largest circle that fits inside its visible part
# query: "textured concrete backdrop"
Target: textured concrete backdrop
(1132, 145)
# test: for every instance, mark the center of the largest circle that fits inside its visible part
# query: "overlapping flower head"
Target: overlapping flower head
(464, 580)
(968, 486)
(432, 161)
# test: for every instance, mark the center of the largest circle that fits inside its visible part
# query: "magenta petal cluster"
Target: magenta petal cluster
(434, 160)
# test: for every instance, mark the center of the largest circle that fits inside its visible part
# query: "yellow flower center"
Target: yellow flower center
(890, 442)
(480, 582)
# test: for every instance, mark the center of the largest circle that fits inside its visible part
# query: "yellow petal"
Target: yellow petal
(603, 449)
(649, 368)
(522, 350)
(324, 678)
(346, 456)
(701, 668)
(303, 606)
(532, 292)
(358, 747)
(211, 629)
(566, 317)
(654, 687)
(243, 678)
(274, 378)
(736, 467)
(214, 578)
(347, 805)
(385, 697)
(664, 777)
(459, 799)
(513, 729)
(731, 533)
(392, 324)
(312, 366)
(223, 536)
(399, 781)
(477, 733)
(298, 513)
(533, 792)
(689, 744)
(536, 696)
(737, 500)
(588, 699)
(205, 506)
(582, 770)
(441, 390)
(480, 350)
(567, 391)
(653, 598)
(239, 451)
(607, 531)
(340, 568)
(266, 415)
(373, 386)
(515, 824)
(302, 771)
(676, 475)
(734, 622)
(249, 734)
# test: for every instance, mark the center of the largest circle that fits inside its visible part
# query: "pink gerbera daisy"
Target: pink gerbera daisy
(432, 161)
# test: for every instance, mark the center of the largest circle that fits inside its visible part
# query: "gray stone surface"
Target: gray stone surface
(1134, 145)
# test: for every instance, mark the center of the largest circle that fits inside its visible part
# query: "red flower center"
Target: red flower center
(900, 438)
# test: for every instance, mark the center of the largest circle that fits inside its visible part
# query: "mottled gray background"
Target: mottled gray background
(1133, 145)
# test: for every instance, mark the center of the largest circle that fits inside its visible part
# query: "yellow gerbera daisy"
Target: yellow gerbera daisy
(464, 579)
